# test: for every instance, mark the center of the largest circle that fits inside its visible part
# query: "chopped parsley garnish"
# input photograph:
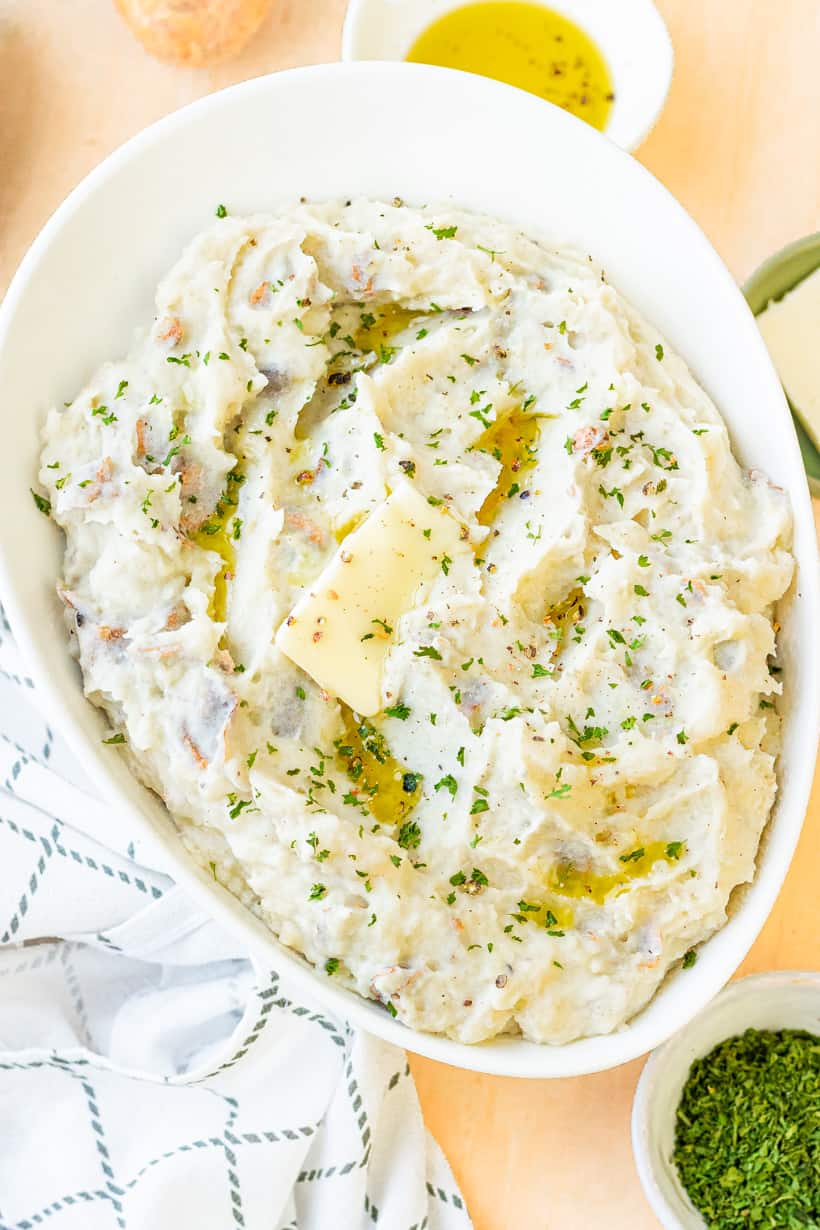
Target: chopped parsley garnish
(172, 452)
(409, 835)
(449, 783)
(615, 493)
(42, 503)
(442, 232)
(747, 1148)
(634, 856)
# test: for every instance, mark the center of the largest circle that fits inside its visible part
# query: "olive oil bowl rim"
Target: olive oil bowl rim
(365, 36)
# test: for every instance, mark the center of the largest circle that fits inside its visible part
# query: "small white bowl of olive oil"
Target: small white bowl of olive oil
(608, 63)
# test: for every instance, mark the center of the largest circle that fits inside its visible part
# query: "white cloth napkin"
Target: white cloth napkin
(151, 1075)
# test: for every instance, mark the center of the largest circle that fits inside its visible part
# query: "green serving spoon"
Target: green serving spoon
(775, 277)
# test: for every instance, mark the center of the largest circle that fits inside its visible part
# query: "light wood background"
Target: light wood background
(738, 145)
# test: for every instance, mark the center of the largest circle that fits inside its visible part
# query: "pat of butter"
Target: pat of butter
(791, 330)
(342, 629)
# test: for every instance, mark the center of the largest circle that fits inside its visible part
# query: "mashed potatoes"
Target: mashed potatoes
(451, 473)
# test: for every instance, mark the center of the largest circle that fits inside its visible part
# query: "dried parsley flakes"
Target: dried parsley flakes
(747, 1137)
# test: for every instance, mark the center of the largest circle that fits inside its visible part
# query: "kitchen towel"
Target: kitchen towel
(152, 1075)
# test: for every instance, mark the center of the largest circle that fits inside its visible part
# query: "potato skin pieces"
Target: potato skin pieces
(193, 33)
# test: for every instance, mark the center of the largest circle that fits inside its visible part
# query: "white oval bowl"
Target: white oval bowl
(631, 35)
(788, 999)
(376, 129)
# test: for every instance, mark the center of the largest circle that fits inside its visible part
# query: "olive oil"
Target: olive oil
(387, 788)
(341, 531)
(527, 45)
(562, 618)
(363, 344)
(380, 325)
(512, 440)
(220, 542)
(568, 880)
(214, 535)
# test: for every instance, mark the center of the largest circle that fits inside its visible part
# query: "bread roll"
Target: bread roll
(193, 32)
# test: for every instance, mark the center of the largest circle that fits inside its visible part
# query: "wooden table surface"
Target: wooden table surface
(737, 144)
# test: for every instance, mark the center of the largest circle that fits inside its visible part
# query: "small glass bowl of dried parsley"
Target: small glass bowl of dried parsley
(726, 1119)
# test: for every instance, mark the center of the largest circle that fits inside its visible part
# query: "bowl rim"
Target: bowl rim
(509, 1056)
(795, 247)
(769, 982)
(632, 135)
(770, 269)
